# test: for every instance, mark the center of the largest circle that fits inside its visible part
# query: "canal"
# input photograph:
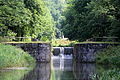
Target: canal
(62, 68)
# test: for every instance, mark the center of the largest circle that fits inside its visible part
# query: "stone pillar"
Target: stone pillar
(85, 52)
(68, 50)
(56, 51)
(40, 51)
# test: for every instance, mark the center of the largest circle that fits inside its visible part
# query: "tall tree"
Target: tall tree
(92, 18)
(14, 18)
(74, 24)
(42, 22)
(26, 18)
(56, 8)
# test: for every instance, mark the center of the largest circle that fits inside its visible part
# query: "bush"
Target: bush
(113, 74)
(11, 56)
(111, 55)
(63, 43)
(4, 39)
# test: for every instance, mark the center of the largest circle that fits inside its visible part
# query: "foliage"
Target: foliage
(108, 75)
(91, 18)
(4, 39)
(111, 55)
(63, 43)
(23, 18)
(56, 8)
(14, 17)
(11, 56)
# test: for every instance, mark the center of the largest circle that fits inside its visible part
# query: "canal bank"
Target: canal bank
(11, 56)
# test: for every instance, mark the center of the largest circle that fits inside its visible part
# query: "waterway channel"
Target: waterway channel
(60, 68)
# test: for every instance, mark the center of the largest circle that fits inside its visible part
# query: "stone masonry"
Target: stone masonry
(85, 52)
(40, 51)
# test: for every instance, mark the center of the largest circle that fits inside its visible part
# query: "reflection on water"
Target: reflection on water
(84, 71)
(42, 71)
(66, 69)
(12, 74)
(59, 69)
(63, 69)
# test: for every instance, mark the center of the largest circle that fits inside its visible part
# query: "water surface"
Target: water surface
(60, 68)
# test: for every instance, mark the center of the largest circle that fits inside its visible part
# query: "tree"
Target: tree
(14, 17)
(26, 18)
(56, 8)
(92, 18)
(74, 24)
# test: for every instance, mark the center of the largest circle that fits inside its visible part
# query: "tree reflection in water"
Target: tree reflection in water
(62, 69)
(42, 71)
(84, 71)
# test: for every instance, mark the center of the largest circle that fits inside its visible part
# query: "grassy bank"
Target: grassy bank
(113, 74)
(11, 56)
(110, 55)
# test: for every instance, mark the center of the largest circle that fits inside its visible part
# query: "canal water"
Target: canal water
(61, 68)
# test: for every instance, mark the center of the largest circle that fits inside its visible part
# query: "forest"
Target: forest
(50, 19)
(86, 19)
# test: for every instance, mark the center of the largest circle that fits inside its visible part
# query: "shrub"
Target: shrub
(63, 43)
(4, 39)
(113, 74)
(111, 55)
(11, 56)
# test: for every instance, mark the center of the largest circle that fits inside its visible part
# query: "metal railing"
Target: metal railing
(19, 38)
(105, 39)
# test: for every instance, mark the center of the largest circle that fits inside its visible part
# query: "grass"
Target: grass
(63, 43)
(113, 74)
(110, 55)
(11, 56)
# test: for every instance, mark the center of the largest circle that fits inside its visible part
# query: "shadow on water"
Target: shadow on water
(84, 71)
(66, 69)
(59, 69)
(12, 74)
(42, 71)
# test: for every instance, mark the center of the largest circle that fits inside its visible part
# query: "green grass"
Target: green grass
(110, 55)
(113, 74)
(11, 56)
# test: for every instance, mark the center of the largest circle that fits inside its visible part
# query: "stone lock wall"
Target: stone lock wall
(85, 52)
(40, 51)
